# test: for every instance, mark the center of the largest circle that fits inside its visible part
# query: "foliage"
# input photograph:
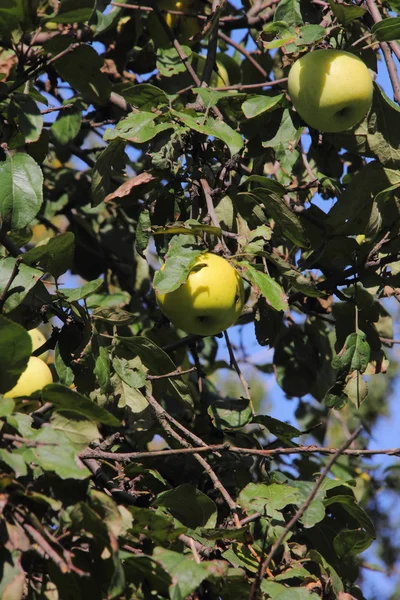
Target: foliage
(122, 148)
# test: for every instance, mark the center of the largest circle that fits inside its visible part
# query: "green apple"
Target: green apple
(36, 375)
(210, 300)
(330, 89)
(38, 339)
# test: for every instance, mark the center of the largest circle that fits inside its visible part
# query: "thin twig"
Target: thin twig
(9, 245)
(235, 365)
(176, 373)
(212, 45)
(250, 86)
(26, 441)
(387, 49)
(301, 510)
(221, 448)
(42, 543)
(209, 202)
(51, 109)
(244, 52)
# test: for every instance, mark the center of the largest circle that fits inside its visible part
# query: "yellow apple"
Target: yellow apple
(183, 27)
(36, 375)
(38, 339)
(330, 89)
(211, 299)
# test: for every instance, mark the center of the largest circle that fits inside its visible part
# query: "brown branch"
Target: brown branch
(387, 49)
(235, 365)
(163, 417)
(209, 202)
(176, 373)
(104, 481)
(377, 17)
(244, 52)
(389, 341)
(250, 86)
(301, 511)
(131, 456)
(42, 543)
(55, 109)
(21, 440)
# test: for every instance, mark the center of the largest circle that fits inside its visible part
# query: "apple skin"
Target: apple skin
(211, 299)
(330, 89)
(36, 375)
(38, 339)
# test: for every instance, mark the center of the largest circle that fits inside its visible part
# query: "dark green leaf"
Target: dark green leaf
(283, 431)
(189, 505)
(112, 158)
(350, 542)
(74, 11)
(266, 285)
(15, 350)
(230, 413)
(66, 400)
(28, 115)
(143, 96)
(289, 11)
(346, 13)
(81, 69)
(102, 369)
(21, 192)
(68, 123)
(75, 294)
(25, 280)
(55, 257)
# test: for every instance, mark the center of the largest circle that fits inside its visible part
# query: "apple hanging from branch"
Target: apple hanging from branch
(210, 300)
(330, 89)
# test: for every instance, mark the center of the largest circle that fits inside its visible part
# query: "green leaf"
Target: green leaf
(290, 12)
(283, 431)
(387, 30)
(102, 369)
(355, 354)
(230, 413)
(14, 461)
(143, 96)
(296, 362)
(137, 127)
(346, 13)
(56, 453)
(64, 371)
(130, 371)
(350, 505)
(266, 285)
(186, 574)
(257, 105)
(309, 34)
(55, 257)
(81, 69)
(21, 192)
(212, 97)
(263, 498)
(189, 505)
(383, 121)
(179, 262)
(28, 115)
(68, 123)
(169, 63)
(25, 280)
(73, 11)
(79, 431)
(212, 128)
(277, 209)
(297, 594)
(75, 294)
(111, 159)
(159, 527)
(350, 542)
(66, 400)
(15, 350)
(158, 363)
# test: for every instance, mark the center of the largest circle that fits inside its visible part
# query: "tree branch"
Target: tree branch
(301, 511)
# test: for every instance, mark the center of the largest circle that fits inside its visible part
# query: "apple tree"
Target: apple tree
(158, 464)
